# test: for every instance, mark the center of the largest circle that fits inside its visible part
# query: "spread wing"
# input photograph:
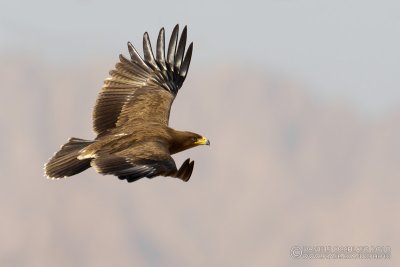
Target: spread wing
(143, 89)
(146, 159)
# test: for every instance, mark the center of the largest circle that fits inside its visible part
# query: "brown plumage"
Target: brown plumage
(131, 118)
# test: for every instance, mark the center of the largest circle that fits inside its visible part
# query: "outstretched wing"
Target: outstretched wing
(147, 159)
(143, 89)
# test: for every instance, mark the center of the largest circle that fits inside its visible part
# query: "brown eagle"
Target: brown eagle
(131, 118)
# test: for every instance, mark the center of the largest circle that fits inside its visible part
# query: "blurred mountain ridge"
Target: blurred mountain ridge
(283, 169)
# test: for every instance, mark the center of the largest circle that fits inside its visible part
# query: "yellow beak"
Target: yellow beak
(202, 141)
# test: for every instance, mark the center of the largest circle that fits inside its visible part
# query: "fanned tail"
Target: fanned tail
(65, 162)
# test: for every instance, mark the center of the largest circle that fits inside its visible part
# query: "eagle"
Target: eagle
(131, 117)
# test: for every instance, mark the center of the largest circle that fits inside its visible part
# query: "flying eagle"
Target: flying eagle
(131, 118)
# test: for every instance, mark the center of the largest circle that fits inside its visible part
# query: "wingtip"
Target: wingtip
(173, 62)
(186, 62)
(189, 171)
(172, 46)
(148, 52)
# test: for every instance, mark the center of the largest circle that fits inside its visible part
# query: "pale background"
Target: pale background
(299, 98)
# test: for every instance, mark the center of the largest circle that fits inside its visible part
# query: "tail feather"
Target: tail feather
(65, 162)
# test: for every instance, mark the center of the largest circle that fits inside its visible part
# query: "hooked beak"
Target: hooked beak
(202, 141)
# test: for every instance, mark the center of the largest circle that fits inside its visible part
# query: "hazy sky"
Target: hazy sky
(345, 49)
(283, 169)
